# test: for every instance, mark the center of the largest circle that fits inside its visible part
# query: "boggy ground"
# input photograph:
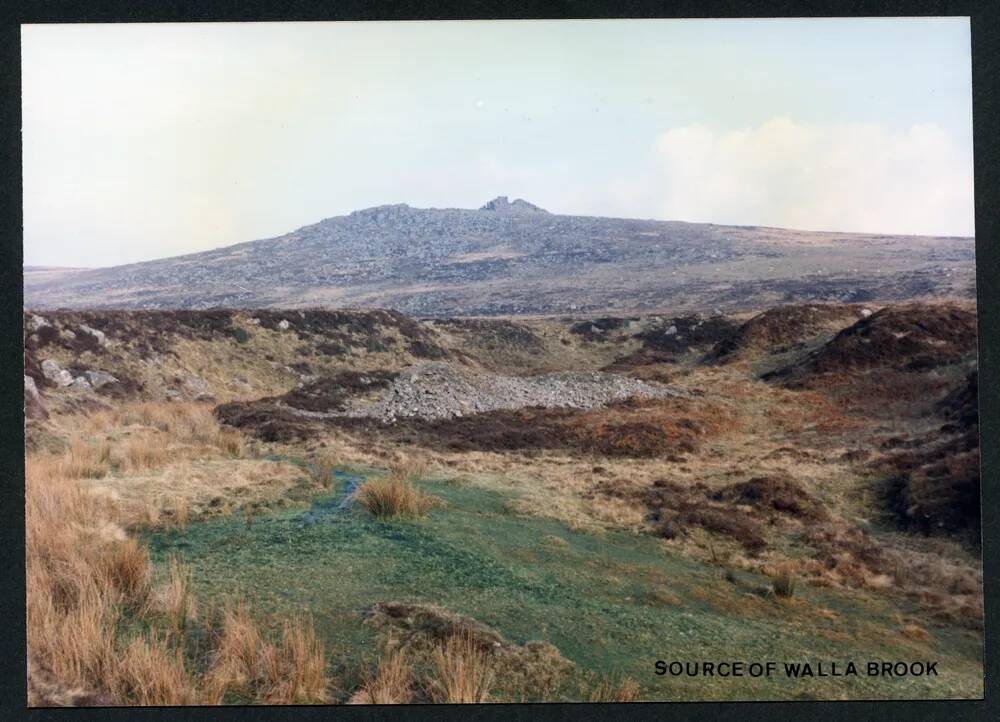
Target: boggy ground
(831, 447)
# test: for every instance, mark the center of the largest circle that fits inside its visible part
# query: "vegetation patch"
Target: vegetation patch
(781, 329)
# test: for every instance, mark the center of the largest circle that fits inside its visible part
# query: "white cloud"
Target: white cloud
(855, 177)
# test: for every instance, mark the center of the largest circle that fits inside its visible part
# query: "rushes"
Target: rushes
(393, 495)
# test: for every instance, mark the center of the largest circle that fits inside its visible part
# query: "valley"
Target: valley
(590, 494)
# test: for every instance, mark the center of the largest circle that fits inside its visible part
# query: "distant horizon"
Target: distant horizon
(37, 266)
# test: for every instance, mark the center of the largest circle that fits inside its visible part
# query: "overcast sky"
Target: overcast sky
(145, 141)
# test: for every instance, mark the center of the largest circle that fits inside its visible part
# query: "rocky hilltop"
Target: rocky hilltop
(514, 258)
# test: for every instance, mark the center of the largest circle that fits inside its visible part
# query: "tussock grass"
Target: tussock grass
(84, 573)
(464, 672)
(178, 423)
(394, 495)
(783, 584)
(174, 599)
(292, 671)
(321, 471)
(612, 689)
(150, 673)
(391, 684)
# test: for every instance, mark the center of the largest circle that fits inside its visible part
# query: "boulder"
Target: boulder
(80, 384)
(59, 376)
(283, 324)
(99, 335)
(36, 322)
(98, 379)
(197, 388)
(33, 408)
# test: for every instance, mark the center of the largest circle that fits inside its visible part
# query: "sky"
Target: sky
(143, 141)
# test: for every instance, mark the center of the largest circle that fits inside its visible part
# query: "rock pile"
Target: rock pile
(440, 391)
(89, 380)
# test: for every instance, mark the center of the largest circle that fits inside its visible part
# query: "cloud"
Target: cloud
(852, 177)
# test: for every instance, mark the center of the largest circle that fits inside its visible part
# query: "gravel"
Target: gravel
(441, 391)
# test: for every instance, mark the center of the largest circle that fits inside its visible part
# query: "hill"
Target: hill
(514, 258)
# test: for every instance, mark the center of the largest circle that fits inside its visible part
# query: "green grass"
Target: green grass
(594, 597)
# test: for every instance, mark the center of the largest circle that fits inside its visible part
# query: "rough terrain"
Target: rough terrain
(513, 258)
(602, 483)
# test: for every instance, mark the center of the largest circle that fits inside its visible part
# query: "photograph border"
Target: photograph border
(985, 38)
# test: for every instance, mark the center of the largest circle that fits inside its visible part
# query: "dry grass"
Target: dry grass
(391, 684)
(611, 689)
(152, 429)
(321, 471)
(150, 673)
(783, 584)
(393, 495)
(464, 672)
(83, 571)
(173, 599)
(915, 631)
(293, 671)
(179, 511)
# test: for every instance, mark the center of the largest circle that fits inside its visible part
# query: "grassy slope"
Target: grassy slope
(603, 600)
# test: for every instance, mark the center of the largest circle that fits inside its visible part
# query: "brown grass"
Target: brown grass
(393, 495)
(292, 671)
(615, 690)
(464, 672)
(84, 571)
(149, 673)
(391, 684)
(321, 471)
(81, 570)
(783, 584)
(174, 599)
(915, 631)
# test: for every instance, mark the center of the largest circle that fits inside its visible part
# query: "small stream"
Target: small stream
(338, 502)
